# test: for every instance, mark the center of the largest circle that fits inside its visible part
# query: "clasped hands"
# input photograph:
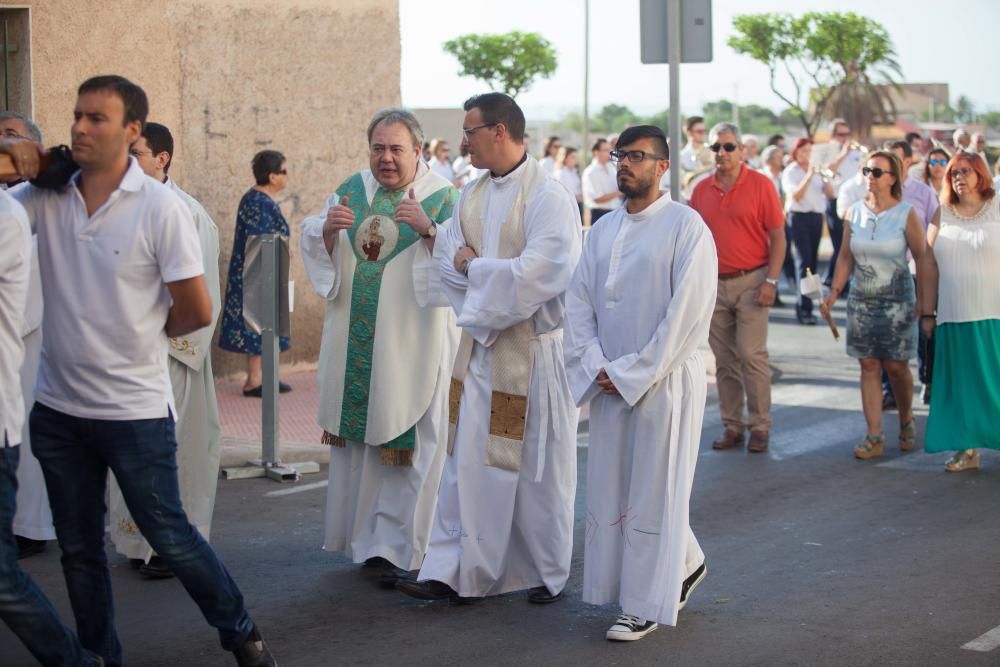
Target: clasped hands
(606, 384)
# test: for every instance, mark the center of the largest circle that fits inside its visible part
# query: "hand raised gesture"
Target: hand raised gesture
(410, 212)
(338, 218)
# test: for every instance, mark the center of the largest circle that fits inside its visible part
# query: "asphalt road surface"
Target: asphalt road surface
(813, 558)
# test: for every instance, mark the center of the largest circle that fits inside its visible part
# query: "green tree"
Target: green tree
(965, 112)
(509, 63)
(837, 64)
(991, 119)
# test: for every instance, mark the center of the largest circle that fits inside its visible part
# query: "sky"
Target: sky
(919, 30)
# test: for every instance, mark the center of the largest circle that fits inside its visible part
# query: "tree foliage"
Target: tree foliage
(833, 64)
(509, 63)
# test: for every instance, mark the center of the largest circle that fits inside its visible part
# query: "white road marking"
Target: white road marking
(297, 489)
(985, 642)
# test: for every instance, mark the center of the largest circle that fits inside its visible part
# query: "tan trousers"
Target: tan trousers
(738, 338)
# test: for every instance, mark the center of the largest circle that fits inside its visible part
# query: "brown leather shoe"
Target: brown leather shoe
(758, 442)
(729, 440)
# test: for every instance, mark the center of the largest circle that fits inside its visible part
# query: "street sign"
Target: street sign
(695, 31)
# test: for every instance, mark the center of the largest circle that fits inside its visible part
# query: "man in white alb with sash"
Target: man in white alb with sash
(190, 367)
(504, 519)
(387, 349)
(639, 306)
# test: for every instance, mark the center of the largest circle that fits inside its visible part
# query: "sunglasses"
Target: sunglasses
(937, 163)
(877, 172)
(729, 146)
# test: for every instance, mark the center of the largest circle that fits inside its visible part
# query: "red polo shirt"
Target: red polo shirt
(740, 218)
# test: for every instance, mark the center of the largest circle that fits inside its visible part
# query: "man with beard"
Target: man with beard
(504, 517)
(638, 307)
(386, 351)
(742, 210)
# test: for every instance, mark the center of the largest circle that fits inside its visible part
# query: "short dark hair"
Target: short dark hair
(901, 145)
(266, 163)
(775, 138)
(498, 108)
(597, 144)
(637, 132)
(160, 141)
(692, 121)
(132, 96)
(910, 136)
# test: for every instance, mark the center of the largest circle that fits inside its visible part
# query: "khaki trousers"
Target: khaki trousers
(738, 338)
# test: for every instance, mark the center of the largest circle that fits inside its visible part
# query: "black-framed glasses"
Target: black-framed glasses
(283, 172)
(729, 147)
(469, 131)
(137, 153)
(635, 157)
(876, 172)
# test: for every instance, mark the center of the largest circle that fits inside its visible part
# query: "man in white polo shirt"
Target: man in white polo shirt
(600, 182)
(121, 271)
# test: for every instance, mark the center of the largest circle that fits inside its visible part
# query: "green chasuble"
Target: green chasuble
(376, 239)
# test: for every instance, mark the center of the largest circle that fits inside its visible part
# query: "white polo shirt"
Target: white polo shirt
(598, 181)
(15, 267)
(104, 348)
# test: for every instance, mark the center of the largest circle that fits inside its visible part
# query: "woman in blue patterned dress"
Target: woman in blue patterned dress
(258, 214)
(881, 306)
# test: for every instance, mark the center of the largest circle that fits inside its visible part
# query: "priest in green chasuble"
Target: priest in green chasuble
(389, 342)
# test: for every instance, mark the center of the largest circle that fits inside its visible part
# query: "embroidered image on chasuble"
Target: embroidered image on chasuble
(512, 348)
(376, 241)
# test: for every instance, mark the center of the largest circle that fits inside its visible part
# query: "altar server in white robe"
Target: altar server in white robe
(388, 343)
(504, 517)
(33, 519)
(190, 365)
(638, 308)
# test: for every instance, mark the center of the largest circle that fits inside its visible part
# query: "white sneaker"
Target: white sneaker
(690, 584)
(628, 629)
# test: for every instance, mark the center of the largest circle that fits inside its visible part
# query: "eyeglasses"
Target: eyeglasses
(937, 163)
(11, 133)
(728, 146)
(634, 157)
(964, 172)
(842, 134)
(136, 153)
(283, 172)
(876, 172)
(469, 131)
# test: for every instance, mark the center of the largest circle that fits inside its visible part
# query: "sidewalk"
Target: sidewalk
(297, 410)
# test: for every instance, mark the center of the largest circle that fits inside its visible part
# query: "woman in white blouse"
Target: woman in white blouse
(806, 192)
(566, 173)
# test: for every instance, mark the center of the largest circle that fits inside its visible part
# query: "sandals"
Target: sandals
(965, 459)
(870, 447)
(907, 435)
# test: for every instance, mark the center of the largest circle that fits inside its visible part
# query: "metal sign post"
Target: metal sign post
(266, 316)
(675, 31)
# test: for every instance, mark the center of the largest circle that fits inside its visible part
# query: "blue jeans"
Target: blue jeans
(75, 455)
(23, 606)
(807, 228)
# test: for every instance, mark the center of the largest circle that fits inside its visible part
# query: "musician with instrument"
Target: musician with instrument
(839, 160)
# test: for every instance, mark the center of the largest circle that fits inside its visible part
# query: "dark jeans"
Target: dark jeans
(788, 267)
(23, 606)
(75, 455)
(596, 214)
(807, 228)
(836, 228)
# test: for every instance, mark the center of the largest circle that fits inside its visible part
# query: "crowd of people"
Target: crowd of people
(452, 470)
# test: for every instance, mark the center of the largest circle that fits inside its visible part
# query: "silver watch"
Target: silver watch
(771, 281)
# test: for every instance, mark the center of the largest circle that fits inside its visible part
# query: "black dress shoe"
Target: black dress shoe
(391, 575)
(375, 562)
(156, 568)
(426, 590)
(253, 652)
(256, 392)
(541, 595)
(808, 320)
(27, 547)
(926, 397)
(284, 388)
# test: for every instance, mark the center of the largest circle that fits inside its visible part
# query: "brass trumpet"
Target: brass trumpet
(861, 148)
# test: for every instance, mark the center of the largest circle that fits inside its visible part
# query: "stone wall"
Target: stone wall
(230, 78)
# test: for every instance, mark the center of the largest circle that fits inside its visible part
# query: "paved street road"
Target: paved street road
(814, 559)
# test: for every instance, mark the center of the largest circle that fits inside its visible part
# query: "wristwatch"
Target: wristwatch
(464, 266)
(771, 281)
(432, 232)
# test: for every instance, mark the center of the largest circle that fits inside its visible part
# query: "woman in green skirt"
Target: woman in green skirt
(960, 302)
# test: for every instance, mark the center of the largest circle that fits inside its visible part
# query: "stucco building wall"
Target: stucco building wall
(230, 78)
